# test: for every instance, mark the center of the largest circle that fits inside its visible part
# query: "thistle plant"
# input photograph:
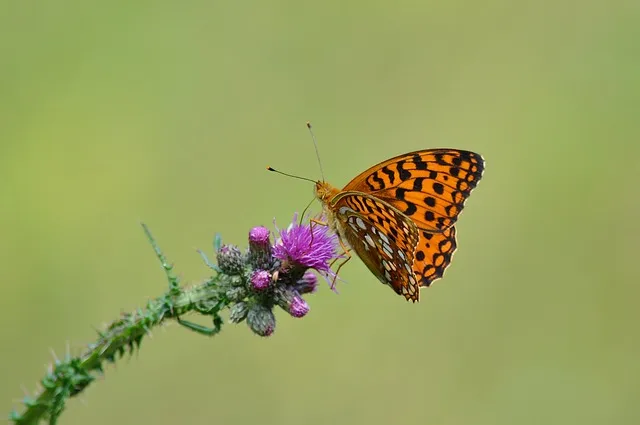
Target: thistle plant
(249, 284)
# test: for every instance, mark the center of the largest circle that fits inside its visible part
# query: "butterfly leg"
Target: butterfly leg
(345, 250)
(317, 222)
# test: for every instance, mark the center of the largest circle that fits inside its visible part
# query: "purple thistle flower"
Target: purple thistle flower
(260, 280)
(306, 245)
(298, 307)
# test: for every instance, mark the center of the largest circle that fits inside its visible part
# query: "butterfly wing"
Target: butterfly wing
(433, 255)
(383, 237)
(429, 186)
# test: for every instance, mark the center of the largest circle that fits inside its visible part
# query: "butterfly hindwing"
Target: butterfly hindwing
(382, 237)
(429, 186)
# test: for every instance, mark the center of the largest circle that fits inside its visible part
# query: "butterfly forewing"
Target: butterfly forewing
(429, 186)
(433, 255)
(384, 238)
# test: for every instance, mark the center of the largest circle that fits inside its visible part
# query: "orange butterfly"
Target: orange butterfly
(399, 215)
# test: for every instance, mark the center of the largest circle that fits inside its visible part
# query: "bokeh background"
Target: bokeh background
(168, 112)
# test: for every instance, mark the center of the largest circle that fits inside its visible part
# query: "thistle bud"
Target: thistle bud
(308, 283)
(260, 247)
(261, 320)
(290, 301)
(230, 259)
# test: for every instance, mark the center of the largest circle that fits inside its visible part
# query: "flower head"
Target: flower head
(306, 245)
(266, 275)
(259, 235)
(260, 279)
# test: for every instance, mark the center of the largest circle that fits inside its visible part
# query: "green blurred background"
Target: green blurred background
(169, 112)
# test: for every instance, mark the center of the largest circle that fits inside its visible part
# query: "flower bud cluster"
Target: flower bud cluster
(269, 275)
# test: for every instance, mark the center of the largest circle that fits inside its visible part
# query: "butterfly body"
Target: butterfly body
(398, 216)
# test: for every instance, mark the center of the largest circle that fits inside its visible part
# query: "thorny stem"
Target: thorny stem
(69, 377)
(249, 284)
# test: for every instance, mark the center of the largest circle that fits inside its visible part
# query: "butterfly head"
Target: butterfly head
(325, 192)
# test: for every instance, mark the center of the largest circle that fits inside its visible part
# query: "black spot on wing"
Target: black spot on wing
(449, 210)
(439, 157)
(430, 201)
(370, 185)
(466, 155)
(390, 174)
(420, 164)
(361, 205)
(404, 174)
(411, 209)
(378, 181)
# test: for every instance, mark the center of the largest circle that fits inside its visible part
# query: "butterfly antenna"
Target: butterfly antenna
(290, 175)
(315, 145)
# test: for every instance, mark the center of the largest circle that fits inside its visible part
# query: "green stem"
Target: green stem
(70, 376)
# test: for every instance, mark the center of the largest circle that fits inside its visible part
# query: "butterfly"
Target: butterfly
(399, 216)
